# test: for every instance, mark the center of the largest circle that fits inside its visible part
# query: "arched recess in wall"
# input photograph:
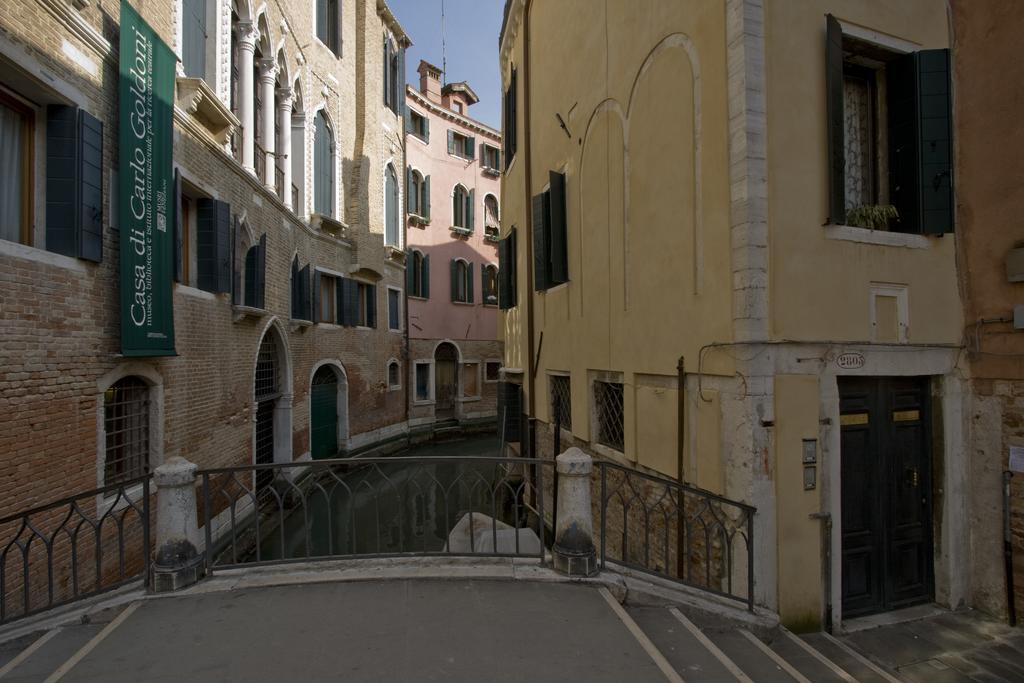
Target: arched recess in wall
(665, 96)
(328, 409)
(602, 209)
(272, 399)
(108, 420)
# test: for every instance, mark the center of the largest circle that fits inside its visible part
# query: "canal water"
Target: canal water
(392, 508)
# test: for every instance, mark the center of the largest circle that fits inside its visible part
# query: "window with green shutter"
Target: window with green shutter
(550, 239)
(507, 271)
(214, 243)
(323, 166)
(193, 37)
(509, 119)
(889, 136)
(328, 24)
(74, 183)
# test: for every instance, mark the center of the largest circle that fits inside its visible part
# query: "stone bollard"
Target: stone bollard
(178, 563)
(573, 550)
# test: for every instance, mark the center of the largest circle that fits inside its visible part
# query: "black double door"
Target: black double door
(887, 558)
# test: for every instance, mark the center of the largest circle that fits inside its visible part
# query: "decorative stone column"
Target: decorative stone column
(573, 550)
(284, 124)
(247, 37)
(268, 78)
(178, 563)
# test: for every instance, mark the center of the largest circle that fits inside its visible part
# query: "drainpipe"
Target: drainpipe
(531, 370)
(1011, 607)
(680, 447)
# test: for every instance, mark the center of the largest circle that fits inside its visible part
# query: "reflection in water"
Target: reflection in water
(402, 507)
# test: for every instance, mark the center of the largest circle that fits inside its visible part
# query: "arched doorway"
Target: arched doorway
(266, 390)
(446, 379)
(323, 400)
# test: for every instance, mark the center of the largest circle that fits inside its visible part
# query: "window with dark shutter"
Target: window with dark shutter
(425, 278)
(74, 183)
(391, 206)
(507, 271)
(889, 136)
(394, 309)
(214, 245)
(180, 226)
(193, 38)
(556, 226)
(305, 309)
(323, 166)
(256, 274)
(541, 269)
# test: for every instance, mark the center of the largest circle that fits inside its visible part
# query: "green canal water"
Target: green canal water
(391, 508)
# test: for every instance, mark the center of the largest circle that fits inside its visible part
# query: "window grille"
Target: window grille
(561, 405)
(126, 424)
(266, 369)
(608, 402)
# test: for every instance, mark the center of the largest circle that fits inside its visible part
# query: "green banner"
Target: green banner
(146, 194)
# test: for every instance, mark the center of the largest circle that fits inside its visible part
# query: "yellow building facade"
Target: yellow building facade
(725, 222)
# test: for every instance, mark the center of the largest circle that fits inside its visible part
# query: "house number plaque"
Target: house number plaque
(850, 361)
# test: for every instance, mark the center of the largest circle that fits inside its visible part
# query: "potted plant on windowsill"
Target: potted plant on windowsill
(872, 216)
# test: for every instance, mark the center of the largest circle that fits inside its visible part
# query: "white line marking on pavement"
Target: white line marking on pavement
(641, 637)
(88, 647)
(27, 652)
(809, 649)
(711, 647)
(861, 658)
(786, 666)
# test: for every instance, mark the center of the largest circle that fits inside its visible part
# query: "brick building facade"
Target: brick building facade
(452, 188)
(304, 330)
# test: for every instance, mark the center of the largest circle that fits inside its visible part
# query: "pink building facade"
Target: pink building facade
(452, 191)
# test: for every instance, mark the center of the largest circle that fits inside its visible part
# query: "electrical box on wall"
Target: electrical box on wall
(1015, 265)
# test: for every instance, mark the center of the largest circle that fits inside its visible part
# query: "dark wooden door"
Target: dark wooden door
(446, 380)
(324, 414)
(886, 493)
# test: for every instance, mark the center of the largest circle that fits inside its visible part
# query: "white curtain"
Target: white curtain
(11, 171)
(857, 108)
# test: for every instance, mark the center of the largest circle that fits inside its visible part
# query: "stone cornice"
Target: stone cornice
(420, 100)
(79, 27)
(509, 30)
(392, 24)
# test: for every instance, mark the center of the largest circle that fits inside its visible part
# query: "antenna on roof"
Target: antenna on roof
(444, 63)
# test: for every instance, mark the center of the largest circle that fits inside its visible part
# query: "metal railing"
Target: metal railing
(371, 507)
(661, 527)
(74, 548)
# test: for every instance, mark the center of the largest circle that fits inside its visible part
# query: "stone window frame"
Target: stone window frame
(393, 362)
(431, 395)
(392, 288)
(462, 396)
(155, 381)
(493, 361)
(613, 377)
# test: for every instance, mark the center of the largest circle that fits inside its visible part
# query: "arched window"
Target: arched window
(391, 232)
(491, 216)
(462, 281)
(394, 375)
(489, 285)
(126, 427)
(462, 208)
(323, 166)
(297, 156)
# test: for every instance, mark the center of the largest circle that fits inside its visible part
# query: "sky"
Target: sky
(471, 30)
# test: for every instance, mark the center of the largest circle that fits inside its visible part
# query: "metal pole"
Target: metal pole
(145, 533)
(680, 448)
(1011, 607)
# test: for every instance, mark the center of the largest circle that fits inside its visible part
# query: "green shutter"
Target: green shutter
(425, 287)
(295, 289)
(321, 22)
(251, 266)
(387, 72)
(261, 273)
(455, 280)
(503, 292)
(834, 116)
(470, 204)
(371, 306)
(936, 142)
(213, 245)
(469, 282)
(90, 187)
(451, 141)
(193, 38)
(541, 263)
(410, 273)
(904, 164)
(317, 284)
(177, 243)
(234, 239)
(426, 129)
(426, 197)
(304, 302)
(471, 147)
(61, 179)
(557, 229)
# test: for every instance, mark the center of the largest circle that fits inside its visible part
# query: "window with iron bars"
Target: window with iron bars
(126, 427)
(561, 404)
(609, 410)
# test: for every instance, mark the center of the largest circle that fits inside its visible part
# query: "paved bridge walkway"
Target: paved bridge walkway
(481, 630)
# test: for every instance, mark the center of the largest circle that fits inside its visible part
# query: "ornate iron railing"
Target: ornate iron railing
(659, 526)
(74, 548)
(372, 507)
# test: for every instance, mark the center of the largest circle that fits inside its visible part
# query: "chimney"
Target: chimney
(430, 81)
